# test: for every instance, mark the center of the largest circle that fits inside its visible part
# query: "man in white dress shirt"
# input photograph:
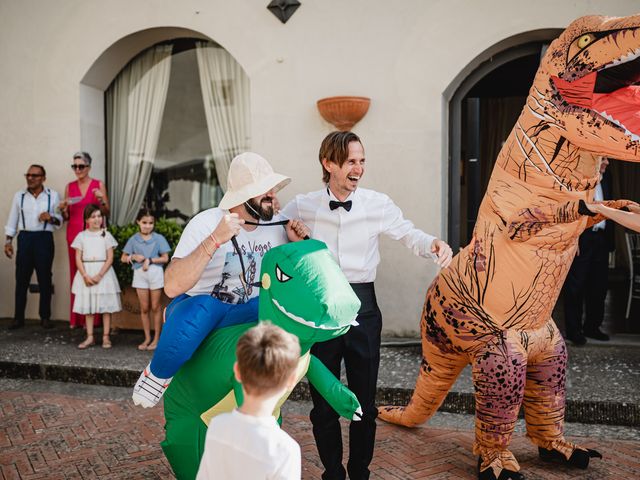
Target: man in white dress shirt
(33, 215)
(350, 221)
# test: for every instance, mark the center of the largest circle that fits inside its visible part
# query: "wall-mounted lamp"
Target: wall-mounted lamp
(283, 9)
(343, 112)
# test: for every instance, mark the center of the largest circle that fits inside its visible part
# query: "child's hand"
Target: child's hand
(593, 207)
(634, 208)
(88, 281)
(145, 265)
(137, 257)
(96, 279)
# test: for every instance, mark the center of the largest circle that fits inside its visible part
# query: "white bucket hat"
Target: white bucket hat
(250, 175)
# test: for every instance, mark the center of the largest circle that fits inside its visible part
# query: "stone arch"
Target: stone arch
(498, 55)
(102, 72)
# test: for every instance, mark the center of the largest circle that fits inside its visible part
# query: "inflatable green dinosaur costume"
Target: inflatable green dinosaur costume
(305, 293)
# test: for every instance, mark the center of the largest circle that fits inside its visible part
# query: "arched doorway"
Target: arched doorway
(482, 112)
(99, 76)
(164, 110)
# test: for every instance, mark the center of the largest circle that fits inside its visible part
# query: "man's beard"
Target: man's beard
(258, 211)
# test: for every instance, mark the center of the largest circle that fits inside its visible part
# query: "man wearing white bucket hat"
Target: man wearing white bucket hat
(213, 270)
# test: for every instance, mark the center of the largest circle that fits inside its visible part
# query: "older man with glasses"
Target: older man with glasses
(33, 215)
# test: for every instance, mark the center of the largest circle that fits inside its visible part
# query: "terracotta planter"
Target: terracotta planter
(343, 112)
(129, 317)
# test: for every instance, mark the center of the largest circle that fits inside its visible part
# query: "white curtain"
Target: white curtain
(225, 91)
(135, 105)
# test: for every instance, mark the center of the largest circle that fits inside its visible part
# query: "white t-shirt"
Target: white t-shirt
(242, 447)
(222, 274)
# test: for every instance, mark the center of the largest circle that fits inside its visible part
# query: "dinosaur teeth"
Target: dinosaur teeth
(634, 137)
(624, 59)
(610, 118)
(301, 320)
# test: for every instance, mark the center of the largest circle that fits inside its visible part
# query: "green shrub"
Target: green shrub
(167, 228)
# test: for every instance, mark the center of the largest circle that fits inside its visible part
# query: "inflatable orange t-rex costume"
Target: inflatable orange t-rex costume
(492, 307)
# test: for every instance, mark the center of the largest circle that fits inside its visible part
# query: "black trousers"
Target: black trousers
(360, 349)
(586, 284)
(35, 251)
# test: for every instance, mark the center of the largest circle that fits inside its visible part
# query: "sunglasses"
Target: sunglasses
(33, 175)
(78, 166)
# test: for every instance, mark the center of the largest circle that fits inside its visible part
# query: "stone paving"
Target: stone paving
(50, 430)
(603, 379)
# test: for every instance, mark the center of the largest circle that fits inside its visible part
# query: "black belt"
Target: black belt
(362, 286)
(366, 294)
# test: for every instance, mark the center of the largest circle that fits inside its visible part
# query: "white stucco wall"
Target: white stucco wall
(404, 55)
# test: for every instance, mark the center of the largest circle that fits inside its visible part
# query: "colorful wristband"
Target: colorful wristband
(204, 247)
(215, 241)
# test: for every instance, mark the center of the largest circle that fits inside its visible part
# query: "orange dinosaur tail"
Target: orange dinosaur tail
(438, 372)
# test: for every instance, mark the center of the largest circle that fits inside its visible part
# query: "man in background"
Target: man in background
(33, 215)
(585, 288)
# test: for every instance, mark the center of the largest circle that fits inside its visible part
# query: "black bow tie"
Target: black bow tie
(346, 205)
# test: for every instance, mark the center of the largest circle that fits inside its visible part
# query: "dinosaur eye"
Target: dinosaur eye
(281, 276)
(585, 40)
(579, 44)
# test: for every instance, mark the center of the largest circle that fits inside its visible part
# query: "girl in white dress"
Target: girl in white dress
(95, 285)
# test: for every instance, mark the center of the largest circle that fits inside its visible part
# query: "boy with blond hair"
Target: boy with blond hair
(247, 442)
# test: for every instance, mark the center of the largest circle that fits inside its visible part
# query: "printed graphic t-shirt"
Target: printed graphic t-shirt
(222, 275)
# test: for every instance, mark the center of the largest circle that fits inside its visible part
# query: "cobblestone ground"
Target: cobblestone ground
(47, 435)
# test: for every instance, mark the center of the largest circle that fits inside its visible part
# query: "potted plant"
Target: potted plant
(129, 317)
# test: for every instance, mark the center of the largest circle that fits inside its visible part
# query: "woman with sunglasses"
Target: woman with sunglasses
(77, 195)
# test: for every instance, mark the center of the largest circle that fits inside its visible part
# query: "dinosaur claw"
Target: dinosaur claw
(357, 416)
(594, 453)
(579, 458)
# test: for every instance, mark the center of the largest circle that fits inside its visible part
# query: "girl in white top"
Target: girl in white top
(95, 284)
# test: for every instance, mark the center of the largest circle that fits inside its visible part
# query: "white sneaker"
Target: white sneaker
(149, 389)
